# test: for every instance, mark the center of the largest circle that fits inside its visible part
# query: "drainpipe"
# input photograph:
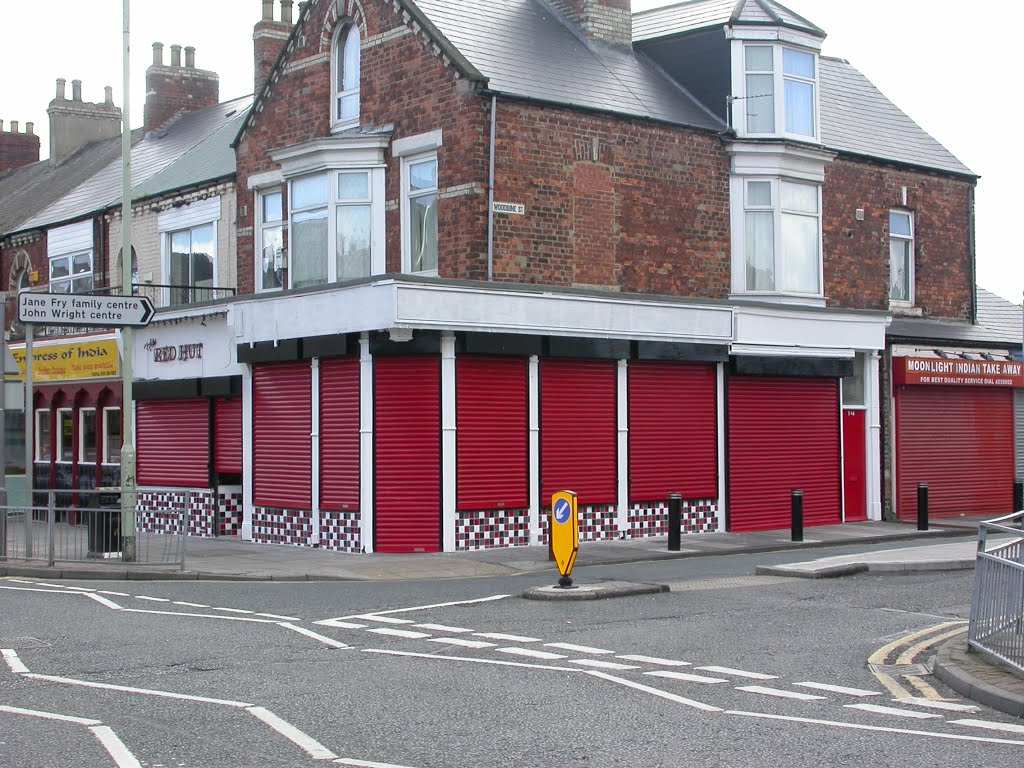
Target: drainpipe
(490, 193)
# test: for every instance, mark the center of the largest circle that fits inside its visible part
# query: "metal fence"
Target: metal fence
(997, 607)
(90, 530)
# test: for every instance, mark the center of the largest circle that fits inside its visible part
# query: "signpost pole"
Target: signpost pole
(3, 417)
(30, 440)
(128, 495)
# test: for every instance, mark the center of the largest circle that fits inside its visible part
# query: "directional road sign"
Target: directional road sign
(83, 309)
(565, 531)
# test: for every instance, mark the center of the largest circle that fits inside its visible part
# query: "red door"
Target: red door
(855, 469)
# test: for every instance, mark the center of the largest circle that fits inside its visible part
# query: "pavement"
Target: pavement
(954, 548)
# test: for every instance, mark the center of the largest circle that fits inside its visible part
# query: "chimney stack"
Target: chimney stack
(18, 149)
(173, 90)
(610, 21)
(268, 38)
(75, 123)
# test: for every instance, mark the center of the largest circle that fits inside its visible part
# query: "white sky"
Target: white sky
(937, 60)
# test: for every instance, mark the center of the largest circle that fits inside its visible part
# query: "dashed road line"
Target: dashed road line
(531, 653)
(104, 601)
(654, 691)
(837, 689)
(653, 660)
(461, 641)
(686, 677)
(49, 715)
(407, 633)
(949, 706)
(339, 624)
(303, 740)
(115, 594)
(892, 711)
(410, 609)
(1008, 727)
(779, 693)
(115, 747)
(316, 636)
(141, 691)
(443, 628)
(13, 662)
(472, 660)
(249, 619)
(191, 605)
(381, 619)
(599, 663)
(278, 616)
(507, 638)
(579, 648)
(366, 763)
(738, 673)
(153, 599)
(234, 610)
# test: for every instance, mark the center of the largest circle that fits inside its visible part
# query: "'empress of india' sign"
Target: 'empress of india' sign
(953, 371)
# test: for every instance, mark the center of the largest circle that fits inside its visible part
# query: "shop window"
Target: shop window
(111, 435)
(44, 442)
(87, 436)
(65, 435)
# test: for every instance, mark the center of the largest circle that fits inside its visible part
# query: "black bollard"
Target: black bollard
(675, 520)
(1018, 495)
(922, 506)
(796, 513)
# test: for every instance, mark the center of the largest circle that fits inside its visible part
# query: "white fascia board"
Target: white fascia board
(421, 305)
(773, 34)
(266, 179)
(218, 350)
(794, 332)
(330, 152)
(779, 158)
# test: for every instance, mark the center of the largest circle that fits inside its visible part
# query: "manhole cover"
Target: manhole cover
(897, 670)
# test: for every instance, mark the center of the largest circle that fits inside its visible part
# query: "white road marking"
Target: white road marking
(507, 638)
(443, 628)
(412, 635)
(462, 642)
(880, 710)
(949, 706)
(1008, 727)
(495, 662)
(117, 594)
(45, 584)
(602, 664)
(77, 589)
(153, 599)
(34, 589)
(233, 610)
(579, 648)
(16, 665)
(433, 605)
(782, 694)
(115, 747)
(686, 677)
(310, 633)
(142, 691)
(202, 616)
(531, 653)
(654, 691)
(381, 619)
(282, 618)
(104, 602)
(191, 605)
(366, 763)
(303, 740)
(838, 689)
(49, 715)
(339, 624)
(653, 660)
(738, 673)
(877, 728)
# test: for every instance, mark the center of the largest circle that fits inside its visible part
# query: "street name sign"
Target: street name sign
(565, 533)
(81, 309)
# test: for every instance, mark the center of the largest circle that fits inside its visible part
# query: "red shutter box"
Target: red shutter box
(173, 438)
(339, 433)
(281, 434)
(227, 436)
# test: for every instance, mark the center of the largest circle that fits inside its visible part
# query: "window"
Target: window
(191, 264)
(901, 258)
(71, 273)
(782, 237)
(779, 91)
(65, 435)
(334, 207)
(87, 436)
(111, 435)
(853, 386)
(419, 214)
(345, 111)
(270, 268)
(44, 443)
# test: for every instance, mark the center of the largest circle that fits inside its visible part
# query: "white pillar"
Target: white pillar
(873, 435)
(247, 394)
(448, 445)
(720, 429)
(365, 444)
(534, 450)
(622, 522)
(314, 438)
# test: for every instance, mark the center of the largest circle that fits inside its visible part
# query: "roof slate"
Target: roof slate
(1001, 316)
(1000, 323)
(693, 15)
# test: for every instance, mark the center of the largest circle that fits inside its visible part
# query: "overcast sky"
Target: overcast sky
(936, 59)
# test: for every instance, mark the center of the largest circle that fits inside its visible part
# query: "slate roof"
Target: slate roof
(1000, 323)
(1003, 317)
(690, 16)
(199, 140)
(525, 49)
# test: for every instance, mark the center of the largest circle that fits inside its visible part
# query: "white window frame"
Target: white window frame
(779, 78)
(40, 433)
(84, 415)
(58, 284)
(911, 258)
(70, 242)
(406, 215)
(191, 216)
(346, 37)
(60, 414)
(106, 433)
(167, 248)
(279, 257)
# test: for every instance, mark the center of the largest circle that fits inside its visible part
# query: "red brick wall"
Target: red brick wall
(17, 149)
(173, 90)
(857, 252)
(36, 251)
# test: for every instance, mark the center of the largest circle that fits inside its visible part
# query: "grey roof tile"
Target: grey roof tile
(1003, 317)
(1000, 323)
(693, 15)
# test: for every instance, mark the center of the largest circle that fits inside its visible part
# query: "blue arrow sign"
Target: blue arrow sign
(562, 511)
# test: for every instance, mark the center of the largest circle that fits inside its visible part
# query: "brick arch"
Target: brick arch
(21, 264)
(346, 11)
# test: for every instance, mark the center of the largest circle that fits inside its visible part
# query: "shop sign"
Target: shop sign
(174, 352)
(957, 372)
(71, 362)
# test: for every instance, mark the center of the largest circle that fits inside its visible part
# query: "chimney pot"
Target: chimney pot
(286, 11)
(158, 54)
(108, 95)
(61, 82)
(190, 56)
(14, 126)
(1, 126)
(268, 10)
(76, 90)
(175, 55)
(30, 128)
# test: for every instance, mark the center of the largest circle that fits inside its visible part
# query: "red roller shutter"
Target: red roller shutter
(227, 436)
(407, 429)
(492, 402)
(578, 429)
(339, 433)
(673, 427)
(282, 424)
(173, 439)
(783, 435)
(959, 440)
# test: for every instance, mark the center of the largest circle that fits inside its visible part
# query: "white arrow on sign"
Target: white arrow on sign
(80, 309)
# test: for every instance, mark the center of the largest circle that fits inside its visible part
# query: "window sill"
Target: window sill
(797, 299)
(905, 309)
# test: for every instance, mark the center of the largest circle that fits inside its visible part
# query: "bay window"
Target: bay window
(901, 258)
(777, 88)
(270, 265)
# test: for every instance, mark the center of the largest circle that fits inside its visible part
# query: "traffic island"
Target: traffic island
(599, 591)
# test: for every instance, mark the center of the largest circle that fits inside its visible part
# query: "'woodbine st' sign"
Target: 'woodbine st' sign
(71, 309)
(928, 370)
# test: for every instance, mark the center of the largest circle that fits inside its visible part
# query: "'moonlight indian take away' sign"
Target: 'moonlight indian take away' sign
(958, 372)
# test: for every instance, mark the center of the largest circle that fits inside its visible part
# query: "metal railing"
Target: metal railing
(91, 531)
(997, 606)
